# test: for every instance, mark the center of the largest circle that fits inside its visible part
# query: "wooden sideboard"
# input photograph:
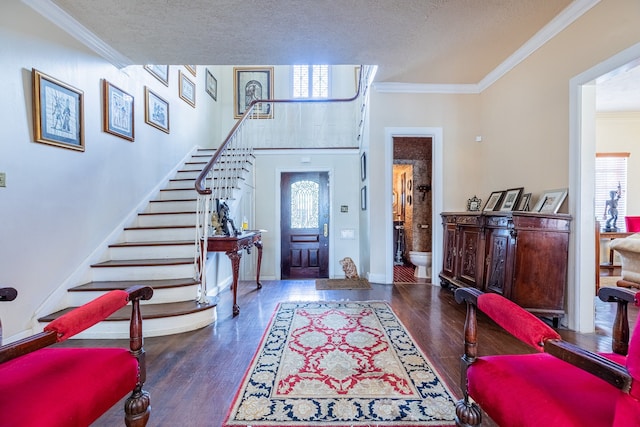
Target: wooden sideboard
(520, 255)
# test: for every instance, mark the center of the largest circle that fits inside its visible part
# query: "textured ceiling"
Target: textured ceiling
(413, 41)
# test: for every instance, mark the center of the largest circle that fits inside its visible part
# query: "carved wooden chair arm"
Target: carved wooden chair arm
(606, 369)
(620, 328)
(82, 318)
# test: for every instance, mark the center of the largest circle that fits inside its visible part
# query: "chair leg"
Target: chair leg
(137, 408)
(468, 414)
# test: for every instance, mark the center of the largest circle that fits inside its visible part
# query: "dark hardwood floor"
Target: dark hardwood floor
(193, 377)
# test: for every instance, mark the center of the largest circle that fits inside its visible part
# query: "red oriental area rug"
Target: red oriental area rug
(340, 364)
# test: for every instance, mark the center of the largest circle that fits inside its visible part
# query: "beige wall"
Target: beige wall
(620, 133)
(463, 165)
(525, 114)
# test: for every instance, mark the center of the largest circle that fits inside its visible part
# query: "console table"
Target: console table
(233, 247)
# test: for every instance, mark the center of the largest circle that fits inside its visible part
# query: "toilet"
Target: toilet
(422, 261)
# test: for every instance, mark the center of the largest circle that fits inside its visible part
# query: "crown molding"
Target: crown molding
(66, 22)
(565, 18)
(561, 21)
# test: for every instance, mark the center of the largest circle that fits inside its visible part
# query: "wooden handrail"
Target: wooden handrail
(200, 181)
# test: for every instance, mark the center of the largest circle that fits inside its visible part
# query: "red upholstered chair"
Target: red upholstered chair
(559, 384)
(65, 387)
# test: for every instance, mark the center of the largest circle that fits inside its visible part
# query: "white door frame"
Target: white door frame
(581, 189)
(437, 191)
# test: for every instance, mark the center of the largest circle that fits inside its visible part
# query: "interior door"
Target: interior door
(304, 223)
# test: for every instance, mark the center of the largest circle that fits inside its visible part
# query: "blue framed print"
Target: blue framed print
(58, 115)
(160, 72)
(156, 110)
(117, 111)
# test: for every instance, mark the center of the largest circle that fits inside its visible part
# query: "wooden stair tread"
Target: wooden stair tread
(167, 213)
(160, 227)
(124, 284)
(149, 311)
(173, 200)
(144, 262)
(154, 243)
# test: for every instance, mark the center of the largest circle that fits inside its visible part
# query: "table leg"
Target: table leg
(258, 245)
(235, 256)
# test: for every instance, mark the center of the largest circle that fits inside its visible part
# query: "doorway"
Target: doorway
(581, 184)
(304, 225)
(436, 195)
(412, 209)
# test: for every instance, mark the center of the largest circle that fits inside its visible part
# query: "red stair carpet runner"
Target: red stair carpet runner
(340, 364)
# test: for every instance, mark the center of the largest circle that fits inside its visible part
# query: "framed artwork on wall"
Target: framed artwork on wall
(211, 85)
(250, 85)
(117, 111)
(510, 199)
(187, 89)
(191, 68)
(156, 110)
(523, 204)
(494, 201)
(58, 112)
(551, 200)
(363, 166)
(363, 198)
(160, 72)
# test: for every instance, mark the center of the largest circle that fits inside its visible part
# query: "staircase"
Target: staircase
(157, 250)
(161, 249)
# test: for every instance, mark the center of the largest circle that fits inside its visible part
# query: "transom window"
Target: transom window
(310, 81)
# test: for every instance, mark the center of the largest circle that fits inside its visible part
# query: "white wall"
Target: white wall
(344, 178)
(60, 205)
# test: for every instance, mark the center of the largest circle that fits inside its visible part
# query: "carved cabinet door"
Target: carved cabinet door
(500, 244)
(470, 250)
(450, 250)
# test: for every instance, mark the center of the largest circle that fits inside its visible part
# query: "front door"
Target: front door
(304, 225)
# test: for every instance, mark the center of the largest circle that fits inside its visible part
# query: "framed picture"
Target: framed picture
(58, 112)
(473, 204)
(511, 199)
(211, 85)
(156, 110)
(494, 201)
(117, 111)
(523, 204)
(252, 84)
(551, 200)
(363, 198)
(160, 72)
(191, 68)
(187, 89)
(363, 166)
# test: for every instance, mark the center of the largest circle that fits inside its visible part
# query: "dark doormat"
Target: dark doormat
(329, 284)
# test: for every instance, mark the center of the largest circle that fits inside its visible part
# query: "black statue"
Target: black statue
(611, 207)
(225, 220)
